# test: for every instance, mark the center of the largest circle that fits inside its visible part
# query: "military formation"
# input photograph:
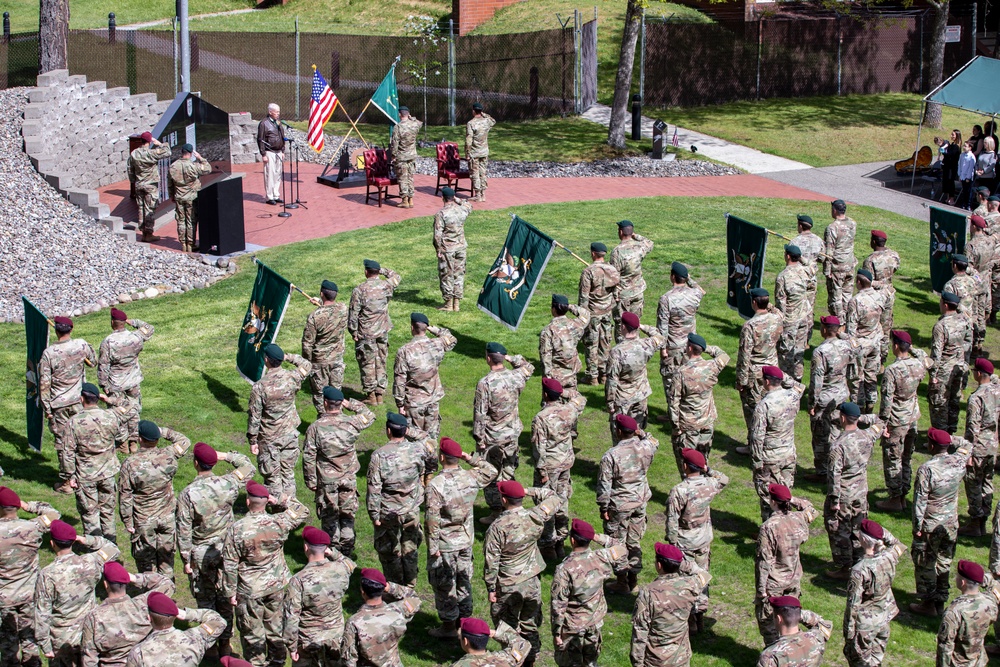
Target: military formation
(422, 487)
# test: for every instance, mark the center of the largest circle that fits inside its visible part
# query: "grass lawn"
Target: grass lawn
(192, 385)
(86, 14)
(824, 131)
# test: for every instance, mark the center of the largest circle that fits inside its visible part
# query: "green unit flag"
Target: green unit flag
(948, 232)
(746, 248)
(270, 295)
(515, 273)
(36, 331)
(385, 98)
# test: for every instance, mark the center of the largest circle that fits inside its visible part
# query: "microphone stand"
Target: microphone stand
(296, 185)
(284, 197)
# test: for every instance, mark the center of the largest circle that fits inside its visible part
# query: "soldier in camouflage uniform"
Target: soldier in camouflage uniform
(813, 249)
(20, 540)
(369, 325)
(660, 636)
(778, 567)
(900, 411)
(992, 217)
(330, 465)
(689, 517)
(496, 424)
(558, 341)
(623, 492)
(758, 348)
(184, 184)
(323, 342)
(255, 575)
(883, 264)
(691, 401)
(147, 497)
(90, 460)
(626, 387)
(676, 319)
(772, 435)
(599, 286)
(204, 514)
(578, 604)
(416, 385)
(477, 149)
(982, 205)
(404, 154)
(827, 390)
(839, 264)
(871, 604)
(793, 647)
(553, 431)
(972, 290)
(273, 420)
(962, 636)
(513, 562)
(864, 328)
(935, 519)
(475, 636)
(627, 258)
(792, 288)
(981, 430)
(981, 252)
(847, 487)
(114, 627)
(314, 612)
(450, 246)
(60, 378)
(371, 638)
(64, 592)
(450, 496)
(166, 645)
(119, 374)
(951, 348)
(144, 174)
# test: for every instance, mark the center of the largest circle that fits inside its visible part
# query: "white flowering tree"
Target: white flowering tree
(427, 39)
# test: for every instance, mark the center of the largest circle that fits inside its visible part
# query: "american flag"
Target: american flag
(321, 107)
(675, 140)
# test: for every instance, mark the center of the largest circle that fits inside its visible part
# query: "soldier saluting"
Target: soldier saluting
(477, 149)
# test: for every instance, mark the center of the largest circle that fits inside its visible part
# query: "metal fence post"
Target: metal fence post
(6, 27)
(177, 61)
(451, 72)
(760, 41)
(112, 27)
(576, 63)
(920, 88)
(840, 59)
(297, 69)
(642, 56)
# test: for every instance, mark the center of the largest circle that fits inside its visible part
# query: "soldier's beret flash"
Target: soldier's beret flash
(850, 409)
(373, 575)
(693, 458)
(626, 423)
(830, 320)
(597, 246)
(451, 448)
(115, 573)
(772, 372)
(759, 293)
(65, 321)
(62, 531)
(866, 274)
(631, 320)
(582, 529)
(793, 250)
(8, 498)
(971, 571)
(187, 148)
(419, 318)
(552, 386)
(839, 204)
(447, 193)
(205, 454)
(372, 265)
(951, 297)
(329, 286)
(257, 490)
(668, 552)
(872, 529)
(879, 234)
(560, 300)
(779, 492)
(333, 394)
(785, 601)
(476, 106)
(274, 353)
(474, 626)
(984, 365)
(805, 220)
(395, 418)
(118, 315)
(939, 436)
(510, 488)
(90, 389)
(679, 270)
(978, 221)
(232, 661)
(149, 431)
(624, 224)
(315, 536)
(695, 339)
(495, 348)
(901, 336)
(158, 603)
(962, 259)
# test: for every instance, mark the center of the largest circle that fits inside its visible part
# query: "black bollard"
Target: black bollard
(6, 27)
(636, 118)
(111, 28)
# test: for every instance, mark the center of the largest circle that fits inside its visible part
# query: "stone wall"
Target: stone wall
(469, 14)
(243, 138)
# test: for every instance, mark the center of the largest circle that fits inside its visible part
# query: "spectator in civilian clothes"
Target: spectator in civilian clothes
(950, 151)
(986, 164)
(966, 174)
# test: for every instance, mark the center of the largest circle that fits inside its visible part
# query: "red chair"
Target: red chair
(449, 170)
(377, 176)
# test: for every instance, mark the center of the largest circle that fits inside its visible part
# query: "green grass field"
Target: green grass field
(192, 385)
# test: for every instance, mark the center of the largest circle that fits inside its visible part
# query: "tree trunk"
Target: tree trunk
(53, 25)
(932, 118)
(623, 79)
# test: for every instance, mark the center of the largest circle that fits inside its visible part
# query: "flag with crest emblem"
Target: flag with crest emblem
(262, 321)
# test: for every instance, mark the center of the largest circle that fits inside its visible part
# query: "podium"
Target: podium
(220, 217)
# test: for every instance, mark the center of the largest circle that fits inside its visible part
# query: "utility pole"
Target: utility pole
(182, 13)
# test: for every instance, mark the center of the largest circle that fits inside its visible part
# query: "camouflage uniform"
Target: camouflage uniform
(692, 404)
(496, 424)
(623, 491)
(758, 348)
(599, 286)
(204, 514)
(864, 328)
(513, 565)
(839, 271)
(935, 518)
(900, 411)
(255, 573)
(64, 593)
(515, 651)
(660, 636)
(416, 385)
(404, 153)
(847, 488)
(778, 567)
(792, 288)
(962, 636)
(557, 345)
(60, 380)
(951, 345)
(812, 247)
(20, 540)
(477, 149)
(323, 347)
(114, 627)
(972, 288)
(273, 423)
(144, 173)
(883, 264)
(314, 611)
(184, 185)
(626, 387)
(772, 441)
(450, 246)
(689, 520)
(982, 253)
(369, 324)
(871, 604)
(371, 638)
(803, 649)
(981, 419)
(330, 467)
(827, 389)
(450, 536)
(148, 502)
(179, 648)
(553, 431)
(119, 374)
(676, 318)
(627, 257)
(90, 459)
(578, 604)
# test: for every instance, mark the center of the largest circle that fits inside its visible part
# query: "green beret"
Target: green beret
(839, 204)
(495, 348)
(805, 219)
(597, 246)
(993, 198)
(372, 265)
(418, 317)
(759, 292)
(793, 250)
(850, 409)
(402, 109)
(90, 389)
(679, 270)
(447, 192)
(274, 353)
(395, 418)
(333, 394)
(559, 300)
(866, 274)
(960, 258)
(695, 339)
(187, 148)
(476, 106)
(983, 190)
(329, 285)
(623, 224)
(149, 431)
(951, 297)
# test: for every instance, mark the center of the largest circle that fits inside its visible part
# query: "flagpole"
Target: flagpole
(560, 245)
(344, 140)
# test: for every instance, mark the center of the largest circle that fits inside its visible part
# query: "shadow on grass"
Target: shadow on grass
(725, 648)
(29, 464)
(908, 618)
(736, 530)
(416, 298)
(815, 566)
(223, 394)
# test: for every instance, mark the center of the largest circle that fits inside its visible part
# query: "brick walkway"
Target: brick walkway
(331, 211)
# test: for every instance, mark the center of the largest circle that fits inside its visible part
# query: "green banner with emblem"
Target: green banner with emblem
(948, 234)
(512, 280)
(385, 98)
(36, 331)
(268, 299)
(746, 248)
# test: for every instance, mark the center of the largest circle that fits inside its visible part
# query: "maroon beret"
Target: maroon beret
(984, 365)
(62, 531)
(146, 136)
(938, 436)
(232, 661)
(631, 320)
(371, 574)
(510, 488)
(474, 626)
(668, 552)
(772, 372)
(552, 385)
(63, 320)
(779, 492)
(158, 603)
(879, 234)
(693, 457)
(901, 336)
(451, 448)
(118, 315)
(315, 536)
(971, 571)
(257, 490)
(205, 454)
(830, 320)
(978, 221)
(583, 529)
(626, 423)
(872, 529)
(785, 601)
(116, 573)
(8, 498)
